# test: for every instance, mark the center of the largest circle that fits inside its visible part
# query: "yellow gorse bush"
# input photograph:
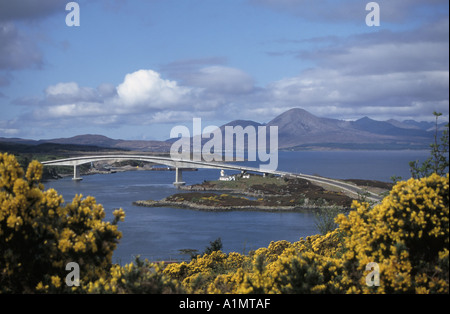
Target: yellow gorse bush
(138, 277)
(407, 235)
(39, 235)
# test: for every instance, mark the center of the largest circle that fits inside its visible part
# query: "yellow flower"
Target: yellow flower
(56, 281)
(79, 246)
(119, 214)
(40, 286)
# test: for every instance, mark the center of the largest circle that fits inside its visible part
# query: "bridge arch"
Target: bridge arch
(179, 164)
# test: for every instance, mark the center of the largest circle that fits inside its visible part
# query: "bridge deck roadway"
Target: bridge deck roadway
(183, 163)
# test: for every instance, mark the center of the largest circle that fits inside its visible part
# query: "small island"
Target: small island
(252, 192)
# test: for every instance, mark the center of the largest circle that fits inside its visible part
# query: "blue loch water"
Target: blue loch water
(160, 233)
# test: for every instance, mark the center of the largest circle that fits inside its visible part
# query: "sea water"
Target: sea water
(161, 233)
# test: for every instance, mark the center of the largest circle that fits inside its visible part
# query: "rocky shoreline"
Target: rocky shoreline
(201, 207)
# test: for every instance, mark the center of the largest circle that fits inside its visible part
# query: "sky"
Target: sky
(134, 69)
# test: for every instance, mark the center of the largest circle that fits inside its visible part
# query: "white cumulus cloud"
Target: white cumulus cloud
(146, 88)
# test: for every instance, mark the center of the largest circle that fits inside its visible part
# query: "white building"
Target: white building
(223, 177)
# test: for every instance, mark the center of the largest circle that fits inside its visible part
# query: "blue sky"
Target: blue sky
(133, 69)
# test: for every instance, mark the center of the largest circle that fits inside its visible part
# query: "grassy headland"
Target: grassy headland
(255, 193)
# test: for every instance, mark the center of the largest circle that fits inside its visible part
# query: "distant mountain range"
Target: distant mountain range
(297, 130)
(99, 141)
(300, 130)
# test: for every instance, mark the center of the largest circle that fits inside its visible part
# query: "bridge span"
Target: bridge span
(180, 164)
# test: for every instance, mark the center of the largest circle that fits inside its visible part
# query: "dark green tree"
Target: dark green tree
(438, 162)
(215, 245)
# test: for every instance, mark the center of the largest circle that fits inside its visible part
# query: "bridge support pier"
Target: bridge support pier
(76, 174)
(178, 177)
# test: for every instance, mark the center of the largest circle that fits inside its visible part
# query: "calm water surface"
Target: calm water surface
(159, 233)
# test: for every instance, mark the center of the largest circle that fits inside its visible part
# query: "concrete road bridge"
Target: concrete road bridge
(180, 164)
